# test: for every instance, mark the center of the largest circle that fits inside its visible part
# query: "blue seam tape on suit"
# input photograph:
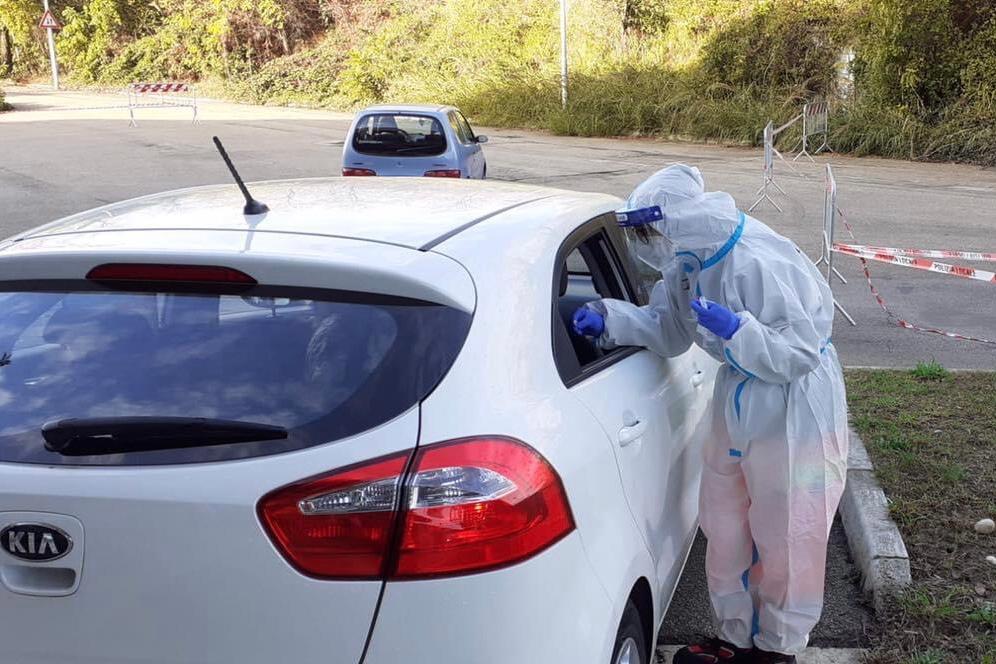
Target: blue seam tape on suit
(728, 247)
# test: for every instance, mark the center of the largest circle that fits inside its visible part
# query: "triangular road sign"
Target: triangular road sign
(48, 21)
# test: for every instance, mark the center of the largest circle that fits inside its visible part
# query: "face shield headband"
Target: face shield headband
(644, 237)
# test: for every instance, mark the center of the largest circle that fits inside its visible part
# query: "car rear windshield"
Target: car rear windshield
(399, 135)
(324, 365)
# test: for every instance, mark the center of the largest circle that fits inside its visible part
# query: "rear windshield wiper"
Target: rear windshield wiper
(119, 435)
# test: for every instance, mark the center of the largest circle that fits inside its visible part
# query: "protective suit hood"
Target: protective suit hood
(694, 220)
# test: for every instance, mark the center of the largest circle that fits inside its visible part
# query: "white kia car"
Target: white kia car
(355, 428)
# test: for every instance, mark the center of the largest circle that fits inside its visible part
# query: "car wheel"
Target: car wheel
(630, 647)
(484, 173)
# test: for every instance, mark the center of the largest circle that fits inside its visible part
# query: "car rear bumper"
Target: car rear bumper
(548, 609)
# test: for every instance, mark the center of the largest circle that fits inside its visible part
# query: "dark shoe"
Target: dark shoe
(712, 651)
(764, 657)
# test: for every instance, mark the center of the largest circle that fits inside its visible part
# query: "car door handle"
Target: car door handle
(698, 378)
(632, 433)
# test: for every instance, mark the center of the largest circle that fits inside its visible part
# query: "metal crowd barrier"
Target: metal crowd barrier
(829, 227)
(161, 95)
(815, 122)
(768, 177)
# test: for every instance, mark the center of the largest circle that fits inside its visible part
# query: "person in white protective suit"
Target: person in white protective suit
(775, 455)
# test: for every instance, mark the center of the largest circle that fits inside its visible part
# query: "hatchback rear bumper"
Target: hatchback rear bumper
(548, 609)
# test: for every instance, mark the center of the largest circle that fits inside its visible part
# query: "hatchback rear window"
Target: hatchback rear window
(398, 135)
(324, 365)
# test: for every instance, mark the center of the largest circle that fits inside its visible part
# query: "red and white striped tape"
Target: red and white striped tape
(924, 253)
(142, 88)
(919, 263)
(901, 322)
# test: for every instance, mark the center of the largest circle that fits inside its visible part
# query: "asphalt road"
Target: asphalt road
(63, 153)
(55, 160)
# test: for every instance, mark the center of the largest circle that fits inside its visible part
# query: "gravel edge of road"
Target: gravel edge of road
(873, 537)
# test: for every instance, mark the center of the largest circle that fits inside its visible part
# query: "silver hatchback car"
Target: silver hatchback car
(413, 141)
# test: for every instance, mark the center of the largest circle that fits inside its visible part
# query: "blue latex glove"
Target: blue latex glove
(717, 319)
(588, 323)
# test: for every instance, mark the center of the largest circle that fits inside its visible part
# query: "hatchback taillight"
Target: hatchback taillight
(337, 525)
(443, 173)
(348, 172)
(467, 506)
(478, 504)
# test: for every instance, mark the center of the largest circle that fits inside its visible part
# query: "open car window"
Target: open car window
(588, 268)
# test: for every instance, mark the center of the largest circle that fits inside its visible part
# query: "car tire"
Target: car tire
(484, 173)
(630, 645)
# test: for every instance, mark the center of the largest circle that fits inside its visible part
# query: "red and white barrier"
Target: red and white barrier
(161, 95)
(142, 88)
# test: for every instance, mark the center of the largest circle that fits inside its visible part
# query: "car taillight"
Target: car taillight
(347, 172)
(337, 526)
(478, 504)
(468, 505)
(443, 173)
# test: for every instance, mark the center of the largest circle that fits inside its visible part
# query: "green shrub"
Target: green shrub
(186, 46)
(925, 72)
(791, 43)
(91, 34)
(308, 77)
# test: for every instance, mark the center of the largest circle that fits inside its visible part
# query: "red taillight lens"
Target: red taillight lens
(443, 173)
(172, 273)
(479, 504)
(468, 506)
(357, 172)
(337, 526)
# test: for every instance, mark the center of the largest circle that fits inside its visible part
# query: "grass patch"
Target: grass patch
(932, 436)
(929, 371)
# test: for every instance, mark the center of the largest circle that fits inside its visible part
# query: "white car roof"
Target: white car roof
(406, 108)
(413, 237)
(418, 213)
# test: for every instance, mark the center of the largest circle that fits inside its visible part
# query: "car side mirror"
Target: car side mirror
(482, 139)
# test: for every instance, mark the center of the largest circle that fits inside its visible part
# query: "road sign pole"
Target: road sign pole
(51, 53)
(563, 53)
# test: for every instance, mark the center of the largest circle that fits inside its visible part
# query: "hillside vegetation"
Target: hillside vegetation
(924, 72)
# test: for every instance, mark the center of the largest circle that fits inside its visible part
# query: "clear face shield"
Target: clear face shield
(646, 242)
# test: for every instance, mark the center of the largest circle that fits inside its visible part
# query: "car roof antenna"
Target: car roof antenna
(252, 205)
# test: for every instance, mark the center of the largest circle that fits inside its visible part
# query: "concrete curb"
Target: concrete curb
(810, 656)
(876, 545)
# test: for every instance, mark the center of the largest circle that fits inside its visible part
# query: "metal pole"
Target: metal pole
(563, 53)
(51, 54)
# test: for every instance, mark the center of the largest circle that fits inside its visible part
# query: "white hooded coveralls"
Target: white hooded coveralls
(776, 449)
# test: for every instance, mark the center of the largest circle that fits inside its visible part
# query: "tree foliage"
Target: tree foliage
(925, 71)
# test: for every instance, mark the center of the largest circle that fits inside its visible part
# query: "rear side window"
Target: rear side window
(462, 128)
(322, 364)
(398, 135)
